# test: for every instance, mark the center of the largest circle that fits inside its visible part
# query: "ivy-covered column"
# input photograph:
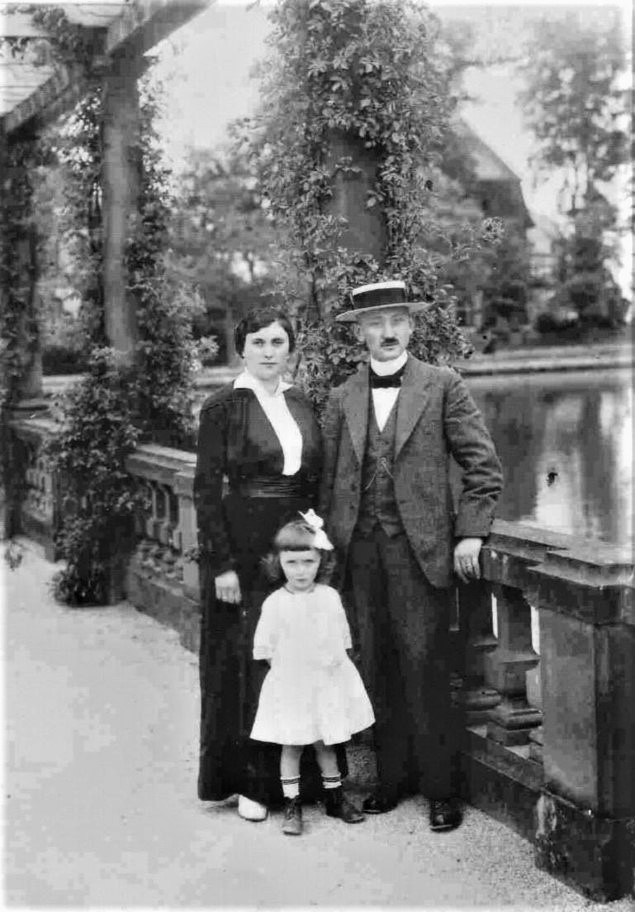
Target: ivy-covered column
(21, 353)
(354, 168)
(121, 178)
(356, 100)
(21, 332)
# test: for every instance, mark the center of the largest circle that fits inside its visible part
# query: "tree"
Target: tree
(221, 238)
(575, 103)
(587, 286)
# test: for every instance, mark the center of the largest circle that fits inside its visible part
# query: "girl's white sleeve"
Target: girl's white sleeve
(341, 621)
(265, 635)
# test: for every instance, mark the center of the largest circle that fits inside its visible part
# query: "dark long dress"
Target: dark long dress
(236, 524)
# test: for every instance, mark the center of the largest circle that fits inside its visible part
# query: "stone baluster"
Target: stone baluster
(534, 690)
(475, 611)
(48, 492)
(151, 518)
(173, 514)
(163, 515)
(511, 721)
(187, 533)
(142, 515)
(153, 527)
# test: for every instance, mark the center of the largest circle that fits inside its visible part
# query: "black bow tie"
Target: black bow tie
(377, 381)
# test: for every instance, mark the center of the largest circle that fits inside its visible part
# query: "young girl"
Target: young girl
(312, 693)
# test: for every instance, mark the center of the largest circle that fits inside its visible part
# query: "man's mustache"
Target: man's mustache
(389, 342)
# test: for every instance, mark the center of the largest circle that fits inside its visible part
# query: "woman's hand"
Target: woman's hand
(228, 587)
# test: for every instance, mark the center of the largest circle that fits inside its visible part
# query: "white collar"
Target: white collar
(386, 368)
(248, 381)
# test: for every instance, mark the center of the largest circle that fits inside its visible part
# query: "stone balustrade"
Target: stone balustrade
(162, 576)
(550, 731)
(546, 656)
(40, 501)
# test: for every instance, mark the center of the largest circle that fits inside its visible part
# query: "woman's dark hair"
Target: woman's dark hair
(296, 535)
(259, 317)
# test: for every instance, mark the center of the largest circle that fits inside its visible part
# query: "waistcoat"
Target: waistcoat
(378, 505)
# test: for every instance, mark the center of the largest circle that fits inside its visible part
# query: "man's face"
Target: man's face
(386, 332)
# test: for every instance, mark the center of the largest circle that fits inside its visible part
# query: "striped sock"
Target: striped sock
(290, 786)
(331, 782)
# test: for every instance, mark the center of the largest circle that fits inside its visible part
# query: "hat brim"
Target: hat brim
(350, 316)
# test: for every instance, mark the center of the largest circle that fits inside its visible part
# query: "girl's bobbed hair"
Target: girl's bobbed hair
(296, 535)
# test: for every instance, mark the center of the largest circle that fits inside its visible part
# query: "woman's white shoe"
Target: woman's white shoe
(251, 810)
(230, 801)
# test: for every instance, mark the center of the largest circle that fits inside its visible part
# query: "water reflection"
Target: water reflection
(565, 441)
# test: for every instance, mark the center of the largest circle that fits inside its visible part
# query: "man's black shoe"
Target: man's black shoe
(379, 803)
(445, 815)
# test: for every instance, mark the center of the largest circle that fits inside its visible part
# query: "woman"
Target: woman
(261, 434)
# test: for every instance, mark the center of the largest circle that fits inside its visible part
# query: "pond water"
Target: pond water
(565, 442)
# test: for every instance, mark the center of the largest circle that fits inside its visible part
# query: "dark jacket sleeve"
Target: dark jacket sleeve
(331, 431)
(472, 447)
(211, 468)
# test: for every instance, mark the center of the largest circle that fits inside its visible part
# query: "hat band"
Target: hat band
(379, 297)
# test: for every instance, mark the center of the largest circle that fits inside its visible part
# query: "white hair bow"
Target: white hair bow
(315, 522)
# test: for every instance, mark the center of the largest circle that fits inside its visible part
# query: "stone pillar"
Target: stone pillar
(506, 667)
(586, 813)
(120, 186)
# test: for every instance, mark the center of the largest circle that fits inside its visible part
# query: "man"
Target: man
(390, 431)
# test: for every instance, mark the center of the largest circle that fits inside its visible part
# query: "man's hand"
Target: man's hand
(228, 587)
(466, 565)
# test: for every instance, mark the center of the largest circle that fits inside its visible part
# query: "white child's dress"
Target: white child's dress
(312, 691)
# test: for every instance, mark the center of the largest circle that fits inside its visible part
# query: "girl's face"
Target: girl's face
(266, 352)
(300, 568)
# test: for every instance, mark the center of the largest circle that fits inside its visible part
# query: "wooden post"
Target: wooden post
(120, 186)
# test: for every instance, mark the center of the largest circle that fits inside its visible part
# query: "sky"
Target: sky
(206, 68)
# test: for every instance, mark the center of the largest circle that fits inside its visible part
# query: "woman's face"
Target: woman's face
(266, 352)
(300, 568)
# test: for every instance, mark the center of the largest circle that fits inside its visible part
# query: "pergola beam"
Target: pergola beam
(143, 24)
(49, 101)
(139, 27)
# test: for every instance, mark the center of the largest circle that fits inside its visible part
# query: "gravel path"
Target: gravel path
(101, 808)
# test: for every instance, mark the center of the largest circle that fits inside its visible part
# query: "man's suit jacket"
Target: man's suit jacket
(436, 419)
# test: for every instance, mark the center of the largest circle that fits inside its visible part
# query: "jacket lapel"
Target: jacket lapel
(355, 407)
(413, 398)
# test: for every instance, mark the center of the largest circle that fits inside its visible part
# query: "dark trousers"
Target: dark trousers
(400, 624)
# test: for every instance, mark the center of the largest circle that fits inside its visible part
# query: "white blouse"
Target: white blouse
(275, 407)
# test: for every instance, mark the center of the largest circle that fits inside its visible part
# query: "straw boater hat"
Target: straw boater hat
(379, 295)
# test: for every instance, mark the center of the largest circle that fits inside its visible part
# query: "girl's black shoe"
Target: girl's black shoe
(337, 804)
(292, 820)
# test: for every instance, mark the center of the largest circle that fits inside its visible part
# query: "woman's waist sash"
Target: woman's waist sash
(270, 486)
